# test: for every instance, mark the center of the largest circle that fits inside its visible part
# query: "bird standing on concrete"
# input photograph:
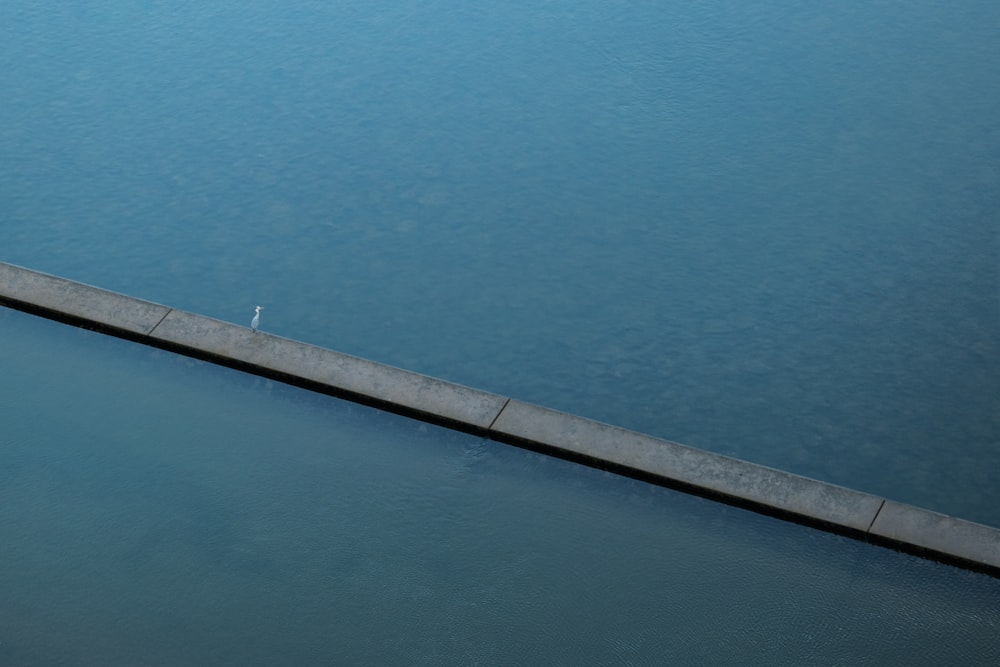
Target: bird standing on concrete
(256, 318)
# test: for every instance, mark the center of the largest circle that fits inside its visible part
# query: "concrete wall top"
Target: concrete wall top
(696, 471)
(688, 468)
(335, 372)
(937, 535)
(71, 301)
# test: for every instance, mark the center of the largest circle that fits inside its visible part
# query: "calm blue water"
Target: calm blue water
(764, 230)
(155, 510)
(768, 231)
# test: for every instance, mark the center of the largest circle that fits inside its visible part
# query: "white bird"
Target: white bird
(256, 318)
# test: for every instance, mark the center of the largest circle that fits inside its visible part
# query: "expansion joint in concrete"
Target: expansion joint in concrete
(499, 412)
(874, 518)
(150, 332)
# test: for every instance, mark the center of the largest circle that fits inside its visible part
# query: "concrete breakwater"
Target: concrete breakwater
(758, 488)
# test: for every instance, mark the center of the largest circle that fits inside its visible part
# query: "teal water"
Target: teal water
(156, 510)
(768, 231)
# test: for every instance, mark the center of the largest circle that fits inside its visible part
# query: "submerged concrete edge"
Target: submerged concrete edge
(758, 488)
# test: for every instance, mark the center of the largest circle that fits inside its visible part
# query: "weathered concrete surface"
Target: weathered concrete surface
(341, 374)
(938, 534)
(683, 467)
(738, 482)
(75, 302)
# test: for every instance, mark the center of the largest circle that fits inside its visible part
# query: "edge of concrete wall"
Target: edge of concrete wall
(733, 481)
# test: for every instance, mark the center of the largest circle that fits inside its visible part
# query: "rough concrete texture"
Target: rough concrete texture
(341, 373)
(745, 483)
(40, 292)
(756, 487)
(938, 533)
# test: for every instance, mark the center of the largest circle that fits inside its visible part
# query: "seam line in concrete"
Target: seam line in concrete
(875, 518)
(150, 332)
(503, 407)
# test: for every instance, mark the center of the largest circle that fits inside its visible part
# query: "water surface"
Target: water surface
(157, 510)
(764, 230)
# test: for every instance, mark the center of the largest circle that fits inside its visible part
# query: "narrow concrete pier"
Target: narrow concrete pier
(758, 488)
